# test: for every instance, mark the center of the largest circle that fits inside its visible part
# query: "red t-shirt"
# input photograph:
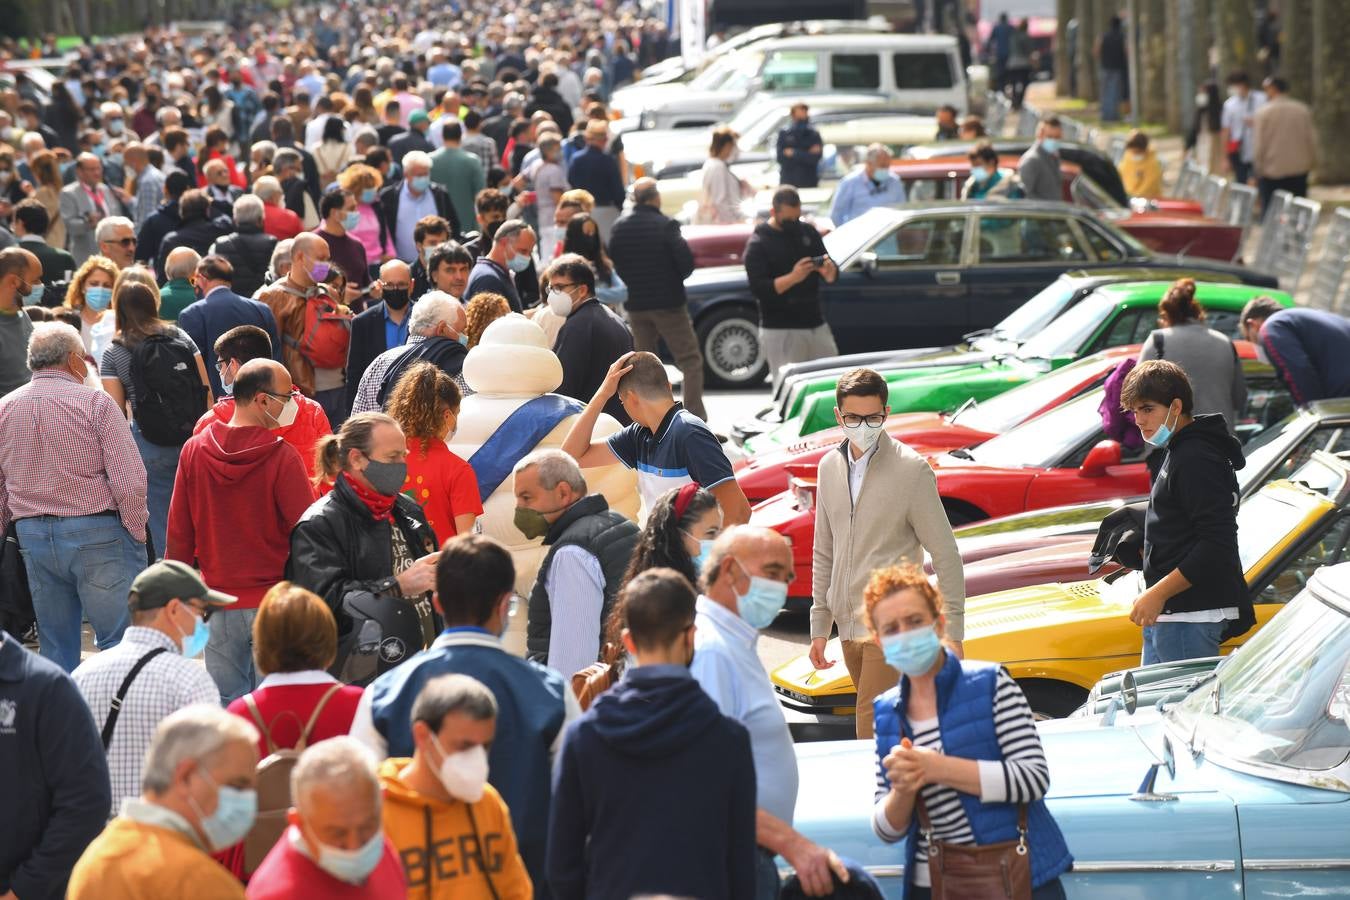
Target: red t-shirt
(287, 873)
(443, 484)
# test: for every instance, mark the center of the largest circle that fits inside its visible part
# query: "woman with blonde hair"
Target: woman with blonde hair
(959, 761)
(47, 173)
(482, 311)
(91, 292)
(720, 197)
(364, 182)
(425, 403)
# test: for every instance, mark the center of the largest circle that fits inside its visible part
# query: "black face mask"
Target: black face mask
(395, 298)
(491, 230)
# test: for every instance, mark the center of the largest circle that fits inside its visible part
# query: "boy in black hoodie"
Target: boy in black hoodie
(1197, 595)
(654, 790)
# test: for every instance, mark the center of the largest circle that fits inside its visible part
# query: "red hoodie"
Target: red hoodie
(238, 494)
(311, 423)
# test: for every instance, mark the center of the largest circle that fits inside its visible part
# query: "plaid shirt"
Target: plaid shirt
(166, 684)
(368, 391)
(66, 450)
(483, 147)
(149, 194)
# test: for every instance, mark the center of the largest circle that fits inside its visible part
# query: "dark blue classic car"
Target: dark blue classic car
(923, 276)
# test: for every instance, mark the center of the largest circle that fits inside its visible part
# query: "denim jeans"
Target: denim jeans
(78, 567)
(1113, 89)
(1172, 641)
(161, 467)
(334, 403)
(229, 653)
(768, 883)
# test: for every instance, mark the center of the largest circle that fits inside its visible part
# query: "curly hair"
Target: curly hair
(892, 580)
(75, 293)
(1179, 305)
(482, 311)
(420, 400)
(358, 177)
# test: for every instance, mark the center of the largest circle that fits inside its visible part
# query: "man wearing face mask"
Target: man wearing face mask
(490, 206)
(411, 199)
(171, 619)
(339, 215)
(877, 505)
(592, 334)
(656, 734)
(381, 327)
(496, 272)
(871, 186)
(1039, 169)
(236, 471)
(428, 235)
(986, 178)
(589, 546)
(438, 802)
(335, 846)
(436, 334)
(745, 585)
(289, 300)
(197, 797)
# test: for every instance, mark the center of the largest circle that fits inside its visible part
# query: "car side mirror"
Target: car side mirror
(1100, 459)
(868, 261)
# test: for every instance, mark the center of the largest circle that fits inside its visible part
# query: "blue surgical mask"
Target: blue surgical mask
(420, 183)
(114, 159)
(762, 602)
(195, 643)
(704, 548)
(979, 174)
(463, 339)
(31, 296)
(98, 298)
(1051, 145)
(352, 866)
(230, 823)
(227, 389)
(1163, 434)
(368, 196)
(518, 262)
(351, 220)
(912, 652)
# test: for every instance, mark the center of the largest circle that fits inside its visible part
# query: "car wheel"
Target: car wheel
(960, 513)
(1052, 699)
(732, 353)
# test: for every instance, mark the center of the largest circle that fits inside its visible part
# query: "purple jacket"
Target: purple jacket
(1118, 423)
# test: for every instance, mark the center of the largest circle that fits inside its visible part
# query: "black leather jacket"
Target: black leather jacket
(249, 250)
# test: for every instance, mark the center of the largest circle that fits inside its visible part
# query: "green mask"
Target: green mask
(531, 522)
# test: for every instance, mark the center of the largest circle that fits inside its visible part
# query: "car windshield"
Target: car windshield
(1066, 335)
(1069, 425)
(1028, 319)
(998, 414)
(757, 125)
(737, 71)
(1281, 700)
(1088, 193)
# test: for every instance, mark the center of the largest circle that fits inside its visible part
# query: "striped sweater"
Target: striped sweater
(1021, 776)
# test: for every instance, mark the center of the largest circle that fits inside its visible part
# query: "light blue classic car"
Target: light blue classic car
(1241, 789)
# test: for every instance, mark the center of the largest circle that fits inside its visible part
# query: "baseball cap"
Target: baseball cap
(418, 117)
(169, 578)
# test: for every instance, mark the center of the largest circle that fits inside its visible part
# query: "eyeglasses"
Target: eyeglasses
(280, 398)
(221, 366)
(206, 611)
(125, 242)
(560, 286)
(873, 421)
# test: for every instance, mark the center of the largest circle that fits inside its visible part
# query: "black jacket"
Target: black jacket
(309, 167)
(156, 225)
(198, 234)
(1191, 522)
(389, 199)
(652, 257)
(799, 169)
(55, 773)
(293, 189)
(588, 343)
(367, 343)
(551, 102)
(772, 252)
(249, 250)
(407, 142)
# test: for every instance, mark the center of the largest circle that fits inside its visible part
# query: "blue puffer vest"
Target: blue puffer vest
(965, 700)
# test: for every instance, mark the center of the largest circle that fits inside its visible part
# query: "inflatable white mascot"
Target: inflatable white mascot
(512, 412)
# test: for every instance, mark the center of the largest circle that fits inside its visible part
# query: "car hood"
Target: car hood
(714, 279)
(634, 99)
(1050, 560)
(1006, 614)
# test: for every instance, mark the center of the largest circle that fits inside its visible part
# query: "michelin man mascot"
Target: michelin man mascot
(512, 370)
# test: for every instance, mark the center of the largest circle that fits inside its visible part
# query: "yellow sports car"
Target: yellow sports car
(1059, 639)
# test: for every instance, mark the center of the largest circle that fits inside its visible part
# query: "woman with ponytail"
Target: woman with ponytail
(1208, 356)
(425, 403)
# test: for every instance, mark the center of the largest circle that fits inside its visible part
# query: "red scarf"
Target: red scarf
(379, 505)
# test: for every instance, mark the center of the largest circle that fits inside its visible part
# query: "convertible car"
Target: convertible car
(1239, 791)
(1059, 639)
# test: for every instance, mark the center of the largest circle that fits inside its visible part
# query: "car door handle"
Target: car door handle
(949, 278)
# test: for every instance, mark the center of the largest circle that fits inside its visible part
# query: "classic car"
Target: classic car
(1164, 683)
(919, 276)
(1058, 640)
(1112, 315)
(1057, 457)
(1237, 792)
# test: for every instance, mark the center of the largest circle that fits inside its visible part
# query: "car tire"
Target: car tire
(733, 356)
(1052, 699)
(961, 513)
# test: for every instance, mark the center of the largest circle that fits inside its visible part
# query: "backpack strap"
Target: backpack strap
(314, 717)
(252, 706)
(116, 708)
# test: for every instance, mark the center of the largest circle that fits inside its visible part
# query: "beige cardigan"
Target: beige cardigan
(898, 516)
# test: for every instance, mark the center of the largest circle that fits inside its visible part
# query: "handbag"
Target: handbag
(596, 678)
(999, 871)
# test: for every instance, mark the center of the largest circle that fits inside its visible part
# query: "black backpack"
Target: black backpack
(170, 396)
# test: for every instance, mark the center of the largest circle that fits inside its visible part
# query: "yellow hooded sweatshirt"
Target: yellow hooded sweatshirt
(445, 846)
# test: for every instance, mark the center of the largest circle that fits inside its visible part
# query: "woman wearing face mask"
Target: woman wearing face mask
(582, 237)
(367, 550)
(425, 403)
(986, 178)
(294, 644)
(1203, 142)
(129, 359)
(364, 182)
(719, 201)
(1140, 170)
(91, 292)
(959, 759)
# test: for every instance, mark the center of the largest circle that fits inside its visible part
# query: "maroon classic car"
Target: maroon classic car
(1170, 226)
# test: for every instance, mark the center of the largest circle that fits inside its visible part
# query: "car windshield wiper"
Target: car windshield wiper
(970, 403)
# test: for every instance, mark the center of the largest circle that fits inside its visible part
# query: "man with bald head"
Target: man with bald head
(229, 473)
(647, 247)
(745, 584)
(383, 326)
(84, 203)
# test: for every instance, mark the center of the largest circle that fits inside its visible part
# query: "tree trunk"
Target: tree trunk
(1297, 47)
(1331, 111)
(1064, 11)
(1089, 30)
(1236, 28)
(1152, 60)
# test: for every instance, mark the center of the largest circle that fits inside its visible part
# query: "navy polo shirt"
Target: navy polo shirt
(682, 450)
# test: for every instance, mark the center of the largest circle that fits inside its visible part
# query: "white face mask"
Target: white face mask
(289, 410)
(559, 304)
(863, 436)
(464, 774)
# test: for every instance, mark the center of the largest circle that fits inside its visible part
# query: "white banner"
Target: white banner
(693, 30)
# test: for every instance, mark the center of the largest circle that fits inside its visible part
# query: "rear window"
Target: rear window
(856, 71)
(923, 70)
